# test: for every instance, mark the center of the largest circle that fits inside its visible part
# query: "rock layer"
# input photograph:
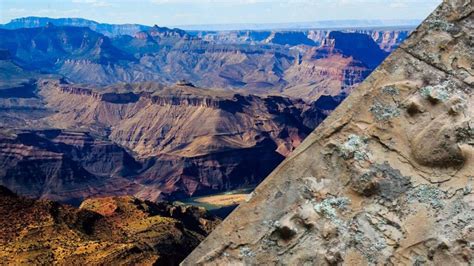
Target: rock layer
(386, 179)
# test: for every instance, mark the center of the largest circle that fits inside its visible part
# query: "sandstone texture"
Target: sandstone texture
(386, 179)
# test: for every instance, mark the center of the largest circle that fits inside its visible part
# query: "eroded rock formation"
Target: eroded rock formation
(386, 179)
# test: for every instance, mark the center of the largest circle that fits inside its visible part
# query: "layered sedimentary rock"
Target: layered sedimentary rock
(180, 120)
(386, 179)
(112, 230)
(146, 139)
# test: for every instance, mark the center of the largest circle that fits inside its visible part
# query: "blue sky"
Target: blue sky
(196, 12)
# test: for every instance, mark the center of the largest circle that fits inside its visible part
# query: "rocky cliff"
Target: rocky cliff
(178, 120)
(386, 179)
(113, 230)
(388, 40)
(146, 139)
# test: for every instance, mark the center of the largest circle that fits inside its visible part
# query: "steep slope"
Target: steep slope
(114, 230)
(12, 75)
(386, 179)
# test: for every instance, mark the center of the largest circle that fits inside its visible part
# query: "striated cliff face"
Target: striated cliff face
(149, 140)
(385, 179)
(358, 45)
(112, 230)
(180, 120)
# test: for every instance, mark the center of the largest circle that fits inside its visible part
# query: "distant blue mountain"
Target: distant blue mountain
(130, 29)
(106, 29)
(43, 47)
(323, 24)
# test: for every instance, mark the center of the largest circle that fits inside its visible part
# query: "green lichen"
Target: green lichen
(367, 246)
(427, 194)
(390, 90)
(465, 134)
(419, 261)
(329, 207)
(355, 147)
(384, 112)
(246, 252)
(440, 92)
(467, 189)
(442, 25)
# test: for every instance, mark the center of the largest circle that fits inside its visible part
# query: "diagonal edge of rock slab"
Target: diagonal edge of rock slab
(386, 179)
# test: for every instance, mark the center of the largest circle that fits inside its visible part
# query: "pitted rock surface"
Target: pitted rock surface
(386, 179)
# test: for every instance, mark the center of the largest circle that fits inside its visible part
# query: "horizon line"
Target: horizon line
(240, 23)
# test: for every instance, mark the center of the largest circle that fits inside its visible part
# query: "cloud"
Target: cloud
(398, 5)
(93, 3)
(237, 2)
(16, 10)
